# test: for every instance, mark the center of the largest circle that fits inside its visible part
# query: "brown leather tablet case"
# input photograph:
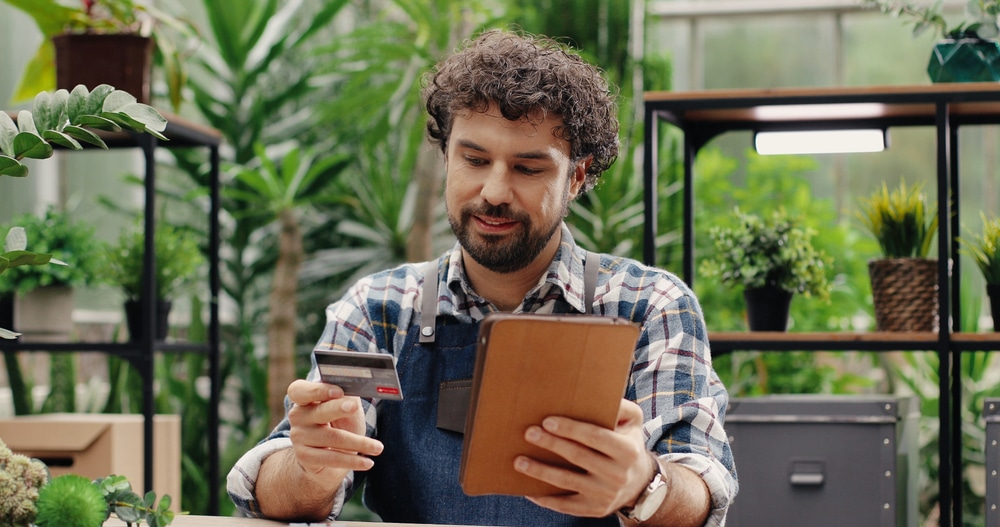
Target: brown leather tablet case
(532, 366)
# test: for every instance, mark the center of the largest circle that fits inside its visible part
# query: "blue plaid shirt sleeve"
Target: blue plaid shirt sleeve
(683, 399)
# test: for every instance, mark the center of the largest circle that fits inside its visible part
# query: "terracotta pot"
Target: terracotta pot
(122, 61)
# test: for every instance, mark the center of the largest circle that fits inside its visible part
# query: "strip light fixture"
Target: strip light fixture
(820, 141)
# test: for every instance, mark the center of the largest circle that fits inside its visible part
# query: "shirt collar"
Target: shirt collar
(563, 278)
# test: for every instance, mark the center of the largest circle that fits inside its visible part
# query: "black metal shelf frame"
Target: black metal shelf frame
(141, 353)
(701, 116)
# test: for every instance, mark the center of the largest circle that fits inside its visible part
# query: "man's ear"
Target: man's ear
(579, 176)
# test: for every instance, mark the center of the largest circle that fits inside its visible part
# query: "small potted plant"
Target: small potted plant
(177, 258)
(984, 249)
(904, 281)
(44, 295)
(772, 259)
(94, 42)
(967, 51)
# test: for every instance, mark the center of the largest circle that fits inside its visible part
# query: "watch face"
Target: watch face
(651, 500)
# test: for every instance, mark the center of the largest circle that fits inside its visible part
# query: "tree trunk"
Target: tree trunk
(428, 176)
(283, 310)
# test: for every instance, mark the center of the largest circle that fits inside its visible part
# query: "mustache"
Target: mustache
(502, 212)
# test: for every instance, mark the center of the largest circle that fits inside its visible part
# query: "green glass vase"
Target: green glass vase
(965, 60)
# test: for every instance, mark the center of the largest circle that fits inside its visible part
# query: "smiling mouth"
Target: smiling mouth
(495, 224)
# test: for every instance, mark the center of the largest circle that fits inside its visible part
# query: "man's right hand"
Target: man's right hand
(328, 442)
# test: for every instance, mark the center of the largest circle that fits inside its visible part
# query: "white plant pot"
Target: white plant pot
(45, 314)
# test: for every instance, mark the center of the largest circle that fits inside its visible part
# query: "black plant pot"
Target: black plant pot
(767, 308)
(993, 291)
(133, 317)
(7, 311)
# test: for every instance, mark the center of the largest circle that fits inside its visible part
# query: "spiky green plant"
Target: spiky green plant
(984, 249)
(900, 220)
(70, 500)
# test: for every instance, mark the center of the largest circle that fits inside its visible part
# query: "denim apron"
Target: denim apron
(415, 478)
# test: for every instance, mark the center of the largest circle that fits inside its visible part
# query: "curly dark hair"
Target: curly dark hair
(527, 76)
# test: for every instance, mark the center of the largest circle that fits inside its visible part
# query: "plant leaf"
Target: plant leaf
(82, 134)
(12, 167)
(61, 139)
(29, 144)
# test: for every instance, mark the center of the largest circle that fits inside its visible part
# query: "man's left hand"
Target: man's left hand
(616, 464)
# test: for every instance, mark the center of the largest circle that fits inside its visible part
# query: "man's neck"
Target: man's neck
(507, 290)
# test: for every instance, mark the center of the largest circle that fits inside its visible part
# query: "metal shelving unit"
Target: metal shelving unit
(181, 134)
(703, 115)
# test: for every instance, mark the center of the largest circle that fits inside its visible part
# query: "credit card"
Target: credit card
(369, 375)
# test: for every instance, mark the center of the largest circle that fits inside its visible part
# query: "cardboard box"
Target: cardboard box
(98, 445)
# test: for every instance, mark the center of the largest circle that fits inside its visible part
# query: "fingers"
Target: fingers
(328, 428)
(629, 415)
(613, 465)
(306, 392)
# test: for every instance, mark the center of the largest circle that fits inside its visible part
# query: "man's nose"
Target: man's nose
(497, 189)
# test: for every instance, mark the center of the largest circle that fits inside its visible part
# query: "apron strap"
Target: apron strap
(428, 304)
(591, 266)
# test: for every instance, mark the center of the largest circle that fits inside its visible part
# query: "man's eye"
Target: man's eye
(530, 171)
(475, 161)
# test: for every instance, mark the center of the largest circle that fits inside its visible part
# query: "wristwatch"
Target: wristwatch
(649, 500)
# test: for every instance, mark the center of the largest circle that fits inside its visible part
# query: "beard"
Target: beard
(503, 253)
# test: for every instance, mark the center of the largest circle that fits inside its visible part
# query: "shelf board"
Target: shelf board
(788, 341)
(824, 107)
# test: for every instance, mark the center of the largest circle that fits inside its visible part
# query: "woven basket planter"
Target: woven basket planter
(905, 291)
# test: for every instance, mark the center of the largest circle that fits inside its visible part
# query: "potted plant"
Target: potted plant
(121, 33)
(43, 305)
(967, 51)
(984, 249)
(16, 254)
(904, 281)
(772, 259)
(177, 258)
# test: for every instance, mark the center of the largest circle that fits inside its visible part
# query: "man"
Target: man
(525, 127)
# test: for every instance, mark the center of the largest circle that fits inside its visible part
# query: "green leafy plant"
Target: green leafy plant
(66, 240)
(981, 18)
(901, 220)
(130, 507)
(984, 249)
(63, 118)
(56, 17)
(177, 258)
(29, 497)
(772, 250)
(71, 500)
(15, 254)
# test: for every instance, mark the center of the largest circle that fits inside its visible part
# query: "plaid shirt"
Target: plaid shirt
(672, 378)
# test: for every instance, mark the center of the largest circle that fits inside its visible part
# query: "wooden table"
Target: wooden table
(228, 521)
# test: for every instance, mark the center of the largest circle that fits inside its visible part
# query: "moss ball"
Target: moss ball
(70, 501)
